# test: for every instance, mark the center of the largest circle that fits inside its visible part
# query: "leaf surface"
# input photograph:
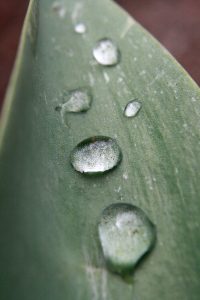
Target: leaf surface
(48, 211)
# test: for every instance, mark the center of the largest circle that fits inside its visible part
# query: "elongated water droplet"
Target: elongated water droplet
(126, 234)
(132, 108)
(97, 154)
(106, 52)
(80, 28)
(59, 8)
(78, 100)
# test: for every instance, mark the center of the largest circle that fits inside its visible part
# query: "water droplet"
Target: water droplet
(193, 99)
(125, 176)
(132, 108)
(125, 234)
(59, 8)
(118, 190)
(78, 100)
(96, 155)
(106, 52)
(80, 28)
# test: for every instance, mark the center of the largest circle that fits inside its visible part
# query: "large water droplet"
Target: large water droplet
(80, 28)
(132, 108)
(97, 154)
(78, 100)
(106, 52)
(126, 234)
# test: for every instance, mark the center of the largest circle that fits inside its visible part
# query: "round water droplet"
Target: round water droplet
(78, 100)
(132, 108)
(96, 155)
(126, 234)
(80, 28)
(106, 52)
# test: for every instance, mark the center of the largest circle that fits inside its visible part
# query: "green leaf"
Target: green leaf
(48, 211)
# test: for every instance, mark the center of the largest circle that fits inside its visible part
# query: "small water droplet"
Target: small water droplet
(125, 176)
(80, 28)
(143, 72)
(118, 190)
(78, 100)
(120, 79)
(59, 8)
(96, 155)
(132, 108)
(125, 234)
(106, 52)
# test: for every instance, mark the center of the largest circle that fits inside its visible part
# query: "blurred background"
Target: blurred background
(175, 23)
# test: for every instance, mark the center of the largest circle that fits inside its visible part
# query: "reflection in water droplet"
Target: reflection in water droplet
(132, 108)
(78, 100)
(96, 155)
(80, 28)
(126, 234)
(59, 8)
(106, 52)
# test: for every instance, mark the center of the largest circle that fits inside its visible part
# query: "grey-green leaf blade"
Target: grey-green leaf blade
(49, 212)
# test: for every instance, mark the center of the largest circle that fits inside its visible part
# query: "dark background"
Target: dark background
(175, 23)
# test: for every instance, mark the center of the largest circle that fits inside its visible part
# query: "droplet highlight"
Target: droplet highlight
(96, 155)
(132, 108)
(125, 234)
(78, 100)
(80, 28)
(106, 52)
